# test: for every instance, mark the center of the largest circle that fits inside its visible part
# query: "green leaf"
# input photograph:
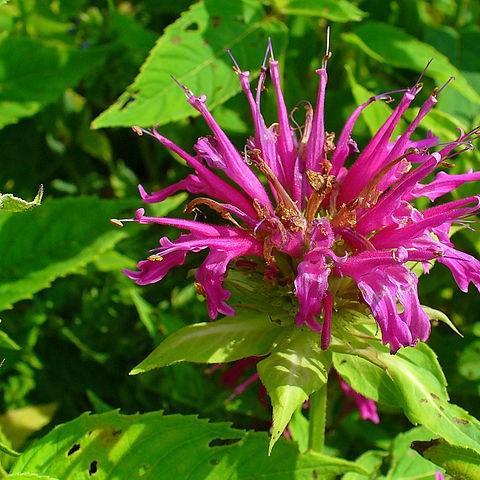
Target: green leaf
(423, 395)
(10, 203)
(54, 241)
(371, 461)
(296, 368)
(7, 450)
(29, 476)
(120, 447)
(7, 342)
(390, 45)
(192, 49)
(375, 114)
(334, 10)
(46, 70)
(405, 462)
(373, 383)
(231, 338)
(441, 317)
(458, 462)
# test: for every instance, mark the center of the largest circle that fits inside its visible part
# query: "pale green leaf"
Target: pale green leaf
(441, 317)
(192, 49)
(54, 241)
(424, 399)
(296, 368)
(231, 338)
(334, 10)
(373, 383)
(17, 425)
(391, 45)
(154, 446)
(10, 203)
(376, 113)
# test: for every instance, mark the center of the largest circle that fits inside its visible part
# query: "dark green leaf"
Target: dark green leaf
(54, 241)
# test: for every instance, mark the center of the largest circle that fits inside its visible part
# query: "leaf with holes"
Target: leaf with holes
(120, 447)
(231, 338)
(192, 49)
(422, 393)
(296, 368)
(54, 241)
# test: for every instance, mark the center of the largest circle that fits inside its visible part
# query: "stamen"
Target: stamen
(185, 89)
(439, 90)
(328, 53)
(117, 222)
(215, 206)
(138, 130)
(155, 258)
(236, 67)
(418, 82)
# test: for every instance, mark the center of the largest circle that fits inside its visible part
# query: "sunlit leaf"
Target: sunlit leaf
(335, 10)
(193, 50)
(231, 338)
(296, 368)
(118, 447)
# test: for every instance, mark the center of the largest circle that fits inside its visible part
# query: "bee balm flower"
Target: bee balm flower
(337, 233)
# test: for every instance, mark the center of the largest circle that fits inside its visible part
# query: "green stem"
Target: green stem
(318, 416)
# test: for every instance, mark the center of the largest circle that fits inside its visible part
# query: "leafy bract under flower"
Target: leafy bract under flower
(292, 208)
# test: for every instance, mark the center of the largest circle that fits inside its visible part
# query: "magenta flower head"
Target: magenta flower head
(310, 210)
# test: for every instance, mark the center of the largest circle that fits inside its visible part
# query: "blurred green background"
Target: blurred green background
(78, 325)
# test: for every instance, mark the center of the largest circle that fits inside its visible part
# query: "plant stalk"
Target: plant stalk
(317, 419)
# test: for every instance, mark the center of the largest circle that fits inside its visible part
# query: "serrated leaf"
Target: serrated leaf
(391, 45)
(10, 203)
(54, 241)
(192, 49)
(296, 368)
(334, 10)
(46, 70)
(246, 334)
(458, 462)
(121, 447)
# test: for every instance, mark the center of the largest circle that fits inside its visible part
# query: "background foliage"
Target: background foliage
(78, 326)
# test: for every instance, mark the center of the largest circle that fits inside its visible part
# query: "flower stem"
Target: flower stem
(318, 415)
